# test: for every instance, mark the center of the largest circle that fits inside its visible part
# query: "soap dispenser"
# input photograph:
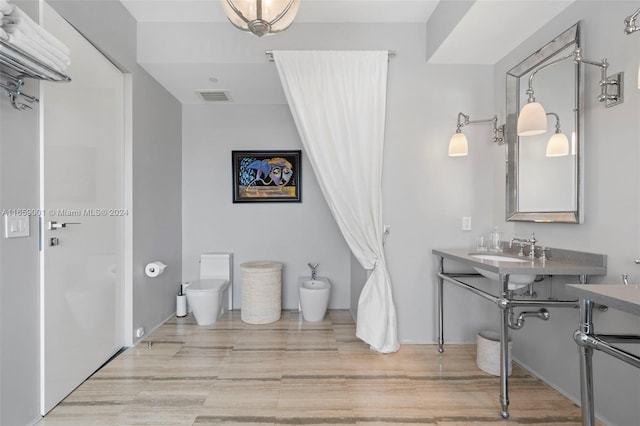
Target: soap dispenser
(494, 240)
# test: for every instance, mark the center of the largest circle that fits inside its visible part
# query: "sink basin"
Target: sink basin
(516, 281)
(497, 258)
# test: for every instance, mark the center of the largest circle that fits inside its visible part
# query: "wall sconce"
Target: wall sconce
(558, 144)
(630, 23)
(458, 145)
(611, 87)
(630, 28)
(532, 119)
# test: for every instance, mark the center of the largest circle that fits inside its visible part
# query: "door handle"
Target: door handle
(53, 225)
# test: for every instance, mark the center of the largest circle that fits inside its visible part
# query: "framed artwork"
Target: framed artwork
(266, 176)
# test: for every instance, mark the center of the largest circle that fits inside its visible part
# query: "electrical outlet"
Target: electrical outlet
(466, 223)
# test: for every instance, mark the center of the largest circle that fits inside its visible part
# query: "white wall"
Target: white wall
(426, 193)
(612, 224)
(292, 233)
(19, 283)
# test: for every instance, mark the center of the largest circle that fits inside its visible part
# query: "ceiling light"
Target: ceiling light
(261, 17)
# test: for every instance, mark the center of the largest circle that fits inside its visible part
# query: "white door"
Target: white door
(82, 199)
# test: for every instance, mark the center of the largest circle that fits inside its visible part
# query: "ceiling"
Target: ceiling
(189, 46)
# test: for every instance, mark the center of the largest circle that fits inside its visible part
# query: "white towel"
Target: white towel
(3, 35)
(34, 53)
(44, 34)
(16, 35)
(25, 32)
(6, 7)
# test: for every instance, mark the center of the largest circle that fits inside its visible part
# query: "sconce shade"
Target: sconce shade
(261, 17)
(558, 145)
(458, 146)
(532, 120)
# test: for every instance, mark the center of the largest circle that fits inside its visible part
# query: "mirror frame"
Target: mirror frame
(516, 77)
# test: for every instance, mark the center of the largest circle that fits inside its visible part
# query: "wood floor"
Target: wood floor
(293, 372)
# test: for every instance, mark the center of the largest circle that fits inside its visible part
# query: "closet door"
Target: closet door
(82, 229)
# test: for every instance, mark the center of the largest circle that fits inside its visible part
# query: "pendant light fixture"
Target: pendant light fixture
(261, 17)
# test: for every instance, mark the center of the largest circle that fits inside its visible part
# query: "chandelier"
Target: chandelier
(261, 16)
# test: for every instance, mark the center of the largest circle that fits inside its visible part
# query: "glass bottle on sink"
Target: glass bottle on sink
(495, 237)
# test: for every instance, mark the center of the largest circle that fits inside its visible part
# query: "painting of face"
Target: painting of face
(266, 176)
(281, 171)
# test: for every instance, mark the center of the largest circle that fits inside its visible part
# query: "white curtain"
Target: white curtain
(338, 101)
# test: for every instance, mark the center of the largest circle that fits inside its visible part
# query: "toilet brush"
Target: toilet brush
(181, 303)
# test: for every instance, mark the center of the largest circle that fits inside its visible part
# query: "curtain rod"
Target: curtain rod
(269, 54)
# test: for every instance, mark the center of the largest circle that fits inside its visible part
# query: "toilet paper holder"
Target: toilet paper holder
(154, 269)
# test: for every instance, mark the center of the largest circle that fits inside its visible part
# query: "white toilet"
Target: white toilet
(212, 294)
(314, 297)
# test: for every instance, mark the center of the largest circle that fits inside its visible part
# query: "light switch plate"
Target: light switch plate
(16, 226)
(466, 223)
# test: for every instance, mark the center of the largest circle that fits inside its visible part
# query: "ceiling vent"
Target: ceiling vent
(215, 95)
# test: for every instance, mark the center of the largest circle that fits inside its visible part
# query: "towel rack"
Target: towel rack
(26, 66)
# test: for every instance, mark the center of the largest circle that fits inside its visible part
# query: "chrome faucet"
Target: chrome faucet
(313, 267)
(625, 279)
(532, 245)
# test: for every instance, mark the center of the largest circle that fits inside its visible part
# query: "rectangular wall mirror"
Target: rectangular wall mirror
(546, 186)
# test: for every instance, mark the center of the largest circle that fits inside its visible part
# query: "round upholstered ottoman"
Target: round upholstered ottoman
(261, 298)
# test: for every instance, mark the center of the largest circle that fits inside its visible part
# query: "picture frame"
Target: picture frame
(266, 176)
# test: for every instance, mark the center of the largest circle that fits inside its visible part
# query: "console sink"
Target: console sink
(516, 281)
(524, 270)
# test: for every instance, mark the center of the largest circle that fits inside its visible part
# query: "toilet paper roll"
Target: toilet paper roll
(154, 269)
